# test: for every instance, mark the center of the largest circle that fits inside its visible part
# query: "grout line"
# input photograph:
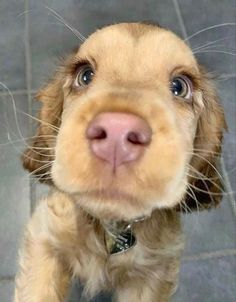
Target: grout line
(28, 57)
(7, 278)
(228, 187)
(17, 91)
(28, 85)
(33, 91)
(180, 19)
(201, 256)
(210, 255)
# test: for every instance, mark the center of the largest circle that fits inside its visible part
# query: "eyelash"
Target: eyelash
(81, 66)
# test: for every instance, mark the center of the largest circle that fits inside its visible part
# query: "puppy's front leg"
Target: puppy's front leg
(43, 275)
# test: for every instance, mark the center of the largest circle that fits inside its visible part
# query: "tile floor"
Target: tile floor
(31, 40)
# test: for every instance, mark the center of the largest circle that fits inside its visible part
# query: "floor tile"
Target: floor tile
(50, 39)
(12, 57)
(210, 230)
(14, 185)
(6, 290)
(227, 91)
(76, 294)
(39, 191)
(13, 113)
(210, 280)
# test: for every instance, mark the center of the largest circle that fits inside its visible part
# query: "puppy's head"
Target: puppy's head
(130, 123)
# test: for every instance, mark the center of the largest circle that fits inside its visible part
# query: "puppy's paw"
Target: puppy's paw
(60, 205)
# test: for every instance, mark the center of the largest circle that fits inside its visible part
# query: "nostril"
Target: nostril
(133, 138)
(138, 138)
(96, 133)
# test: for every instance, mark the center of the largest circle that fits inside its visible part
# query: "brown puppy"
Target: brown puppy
(130, 133)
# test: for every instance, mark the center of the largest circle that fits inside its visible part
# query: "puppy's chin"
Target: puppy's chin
(117, 204)
(106, 207)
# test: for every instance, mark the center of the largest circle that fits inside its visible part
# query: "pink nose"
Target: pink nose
(118, 137)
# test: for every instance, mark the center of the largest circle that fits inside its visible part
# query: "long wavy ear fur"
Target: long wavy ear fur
(38, 156)
(205, 188)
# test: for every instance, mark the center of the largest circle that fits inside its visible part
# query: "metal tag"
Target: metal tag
(119, 243)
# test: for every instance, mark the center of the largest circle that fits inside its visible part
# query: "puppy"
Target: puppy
(130, 132)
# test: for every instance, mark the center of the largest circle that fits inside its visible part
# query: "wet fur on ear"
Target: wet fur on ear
(40, 154)
(206, 185)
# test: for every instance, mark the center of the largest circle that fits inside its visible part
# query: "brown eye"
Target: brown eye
(84, 76)
(181, 87)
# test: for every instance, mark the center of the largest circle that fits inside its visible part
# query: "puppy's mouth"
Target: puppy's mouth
(112, 194)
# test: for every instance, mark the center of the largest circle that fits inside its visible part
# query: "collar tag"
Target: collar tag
(118, 235)
(119, 243)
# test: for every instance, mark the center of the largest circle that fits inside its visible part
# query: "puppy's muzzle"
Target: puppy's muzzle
(118, 138)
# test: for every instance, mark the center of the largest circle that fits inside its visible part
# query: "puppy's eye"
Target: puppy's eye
(181, 87)
(84, 76)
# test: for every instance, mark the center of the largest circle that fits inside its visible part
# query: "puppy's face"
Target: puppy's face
(131, 102)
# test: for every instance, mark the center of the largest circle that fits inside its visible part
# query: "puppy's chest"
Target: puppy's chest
(93, 260)
(96, 263)
(157, 242)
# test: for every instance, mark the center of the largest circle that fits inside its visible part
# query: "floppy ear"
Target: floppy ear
(205, 185)
(38, 157)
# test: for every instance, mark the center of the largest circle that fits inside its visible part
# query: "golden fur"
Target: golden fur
(133, 66)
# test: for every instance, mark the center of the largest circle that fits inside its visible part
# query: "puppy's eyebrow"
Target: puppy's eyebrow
(191, 73)
(76, 62)
(151, 23)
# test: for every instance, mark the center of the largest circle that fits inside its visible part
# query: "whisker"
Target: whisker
(194, 197)
(45, 166)
(39, 120)
(19, 150)
(24, 141)
(38, 178)
(209, 28)
(208, 190)
(27, 138)
(225, 76)
(217, 51)
(186, 207)
(207, 151)
(15, 109)
(34, 149)
(36, 160)
(15, 116)
(42, 148)
(40, 175)
(59, 18)
(212, 47)
(202, 176)
(200, 135)
(210, 43)
(183, 208)
(207, 161)
(26, 145)
(63, 21)
(24, 13)
(212, 193)
(195, 177)
(210, 178)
